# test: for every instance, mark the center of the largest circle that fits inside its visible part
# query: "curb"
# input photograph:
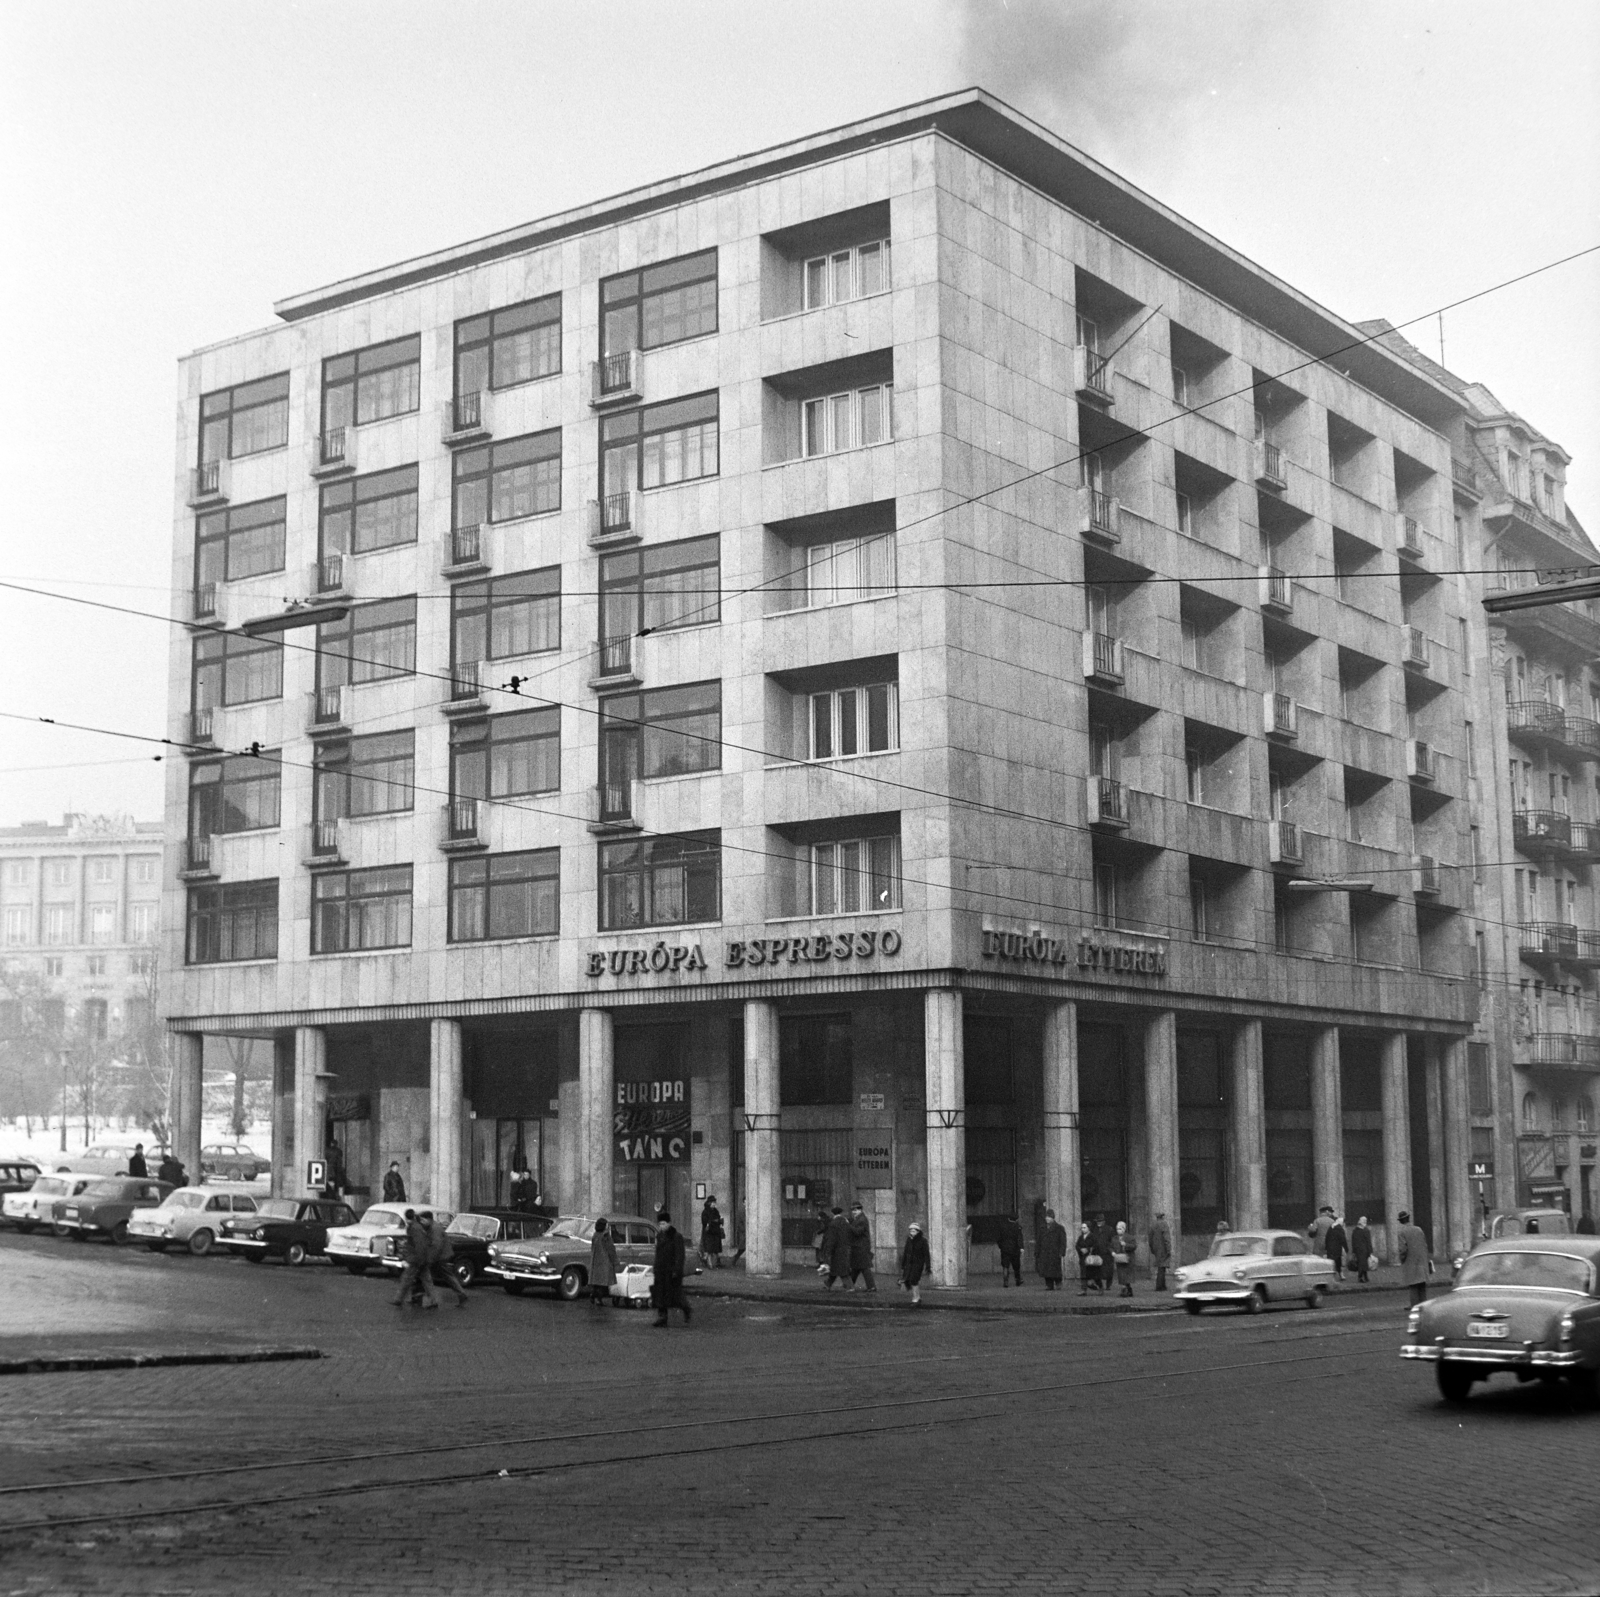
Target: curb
(46, 1364)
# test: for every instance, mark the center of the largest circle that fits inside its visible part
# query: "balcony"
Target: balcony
(613, 521)
(1277, 591)
(208, 484)
(466, 688)
(333, 452)
(1091, 376)
(615, 809)
(615, 667)
(464, 552)
(616, 380)
(202, 726)
(1108, 803)
(197, 857)
(1564, 1050)
(1536, 723)
(1585, 847)
(1102, 658)
(1422, 764)
(465, 419)
(1583, 736)
(1542, 832)
(1418, 654)
(462, 825)
(1425, 876)
(331, 574)
(330, 713)
(1097, 517)
(1269, 467)
(1462, 475)
(1588, 952)
(1408, 537)
(1280, 715)
(203, 602)
(327, 845)
(1547, 940)
(1283, 843)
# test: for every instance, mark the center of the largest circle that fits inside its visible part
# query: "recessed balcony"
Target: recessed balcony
(202, 726)
(614, 807)
(616, 664)
(1108, 803)
(613, 520)
(464, 552)
(466, 688)
(1280, 716)
(462, 825)
(615, 380)
(1097, 517)
(1091, 376)
(330, 712)
(330, 575)
(1102, 659)
(198, 855)
(325, 845)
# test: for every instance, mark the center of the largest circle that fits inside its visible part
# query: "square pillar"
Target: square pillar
(445, 1119)
(597, 1095)
(188, 1076)
(283, 1150)
(1063, 1179)
(1161, 1124)
(944, 1067)
(310, 1100)
(1249, 1130)
(1396, 1133)
(763, 1191)
(1458, 1201)
(1327, 1120)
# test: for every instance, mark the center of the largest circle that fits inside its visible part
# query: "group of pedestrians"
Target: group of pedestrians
(666, 1288)
(428, 1257)
(844, 1250)
(171, 1169)
(1329, 1238)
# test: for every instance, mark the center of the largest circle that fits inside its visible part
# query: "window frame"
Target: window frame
(266, 770)
(652, 563)
(461, 477)
(632, 429)
(623, 291)
(233, 410)
(358, 369)
(343, 500)
(348, 903)
(339, 776)
(263, 919)
(470, 600)
(230, 652)
(861, 712)
(207, 538)
(644, 869)
(336, 669)
(466, 342)
(851, 403)
(544, 866)
(488, 734)
(827, 872)
(621, 725)
(852, 255)
(830, 552)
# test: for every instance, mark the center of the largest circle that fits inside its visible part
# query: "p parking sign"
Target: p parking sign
(316, 1172)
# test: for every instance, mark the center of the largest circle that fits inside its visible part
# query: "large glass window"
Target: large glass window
(847, 274)
(240, 793)
(663, 586)
(353, 910)
(850, 420)
(373, 775)
(855, 720)
(854, 876)
(814, 1060)
(239, 541)
(505, 895)
(509, 346)
(373, 512)
(244, 420)
(662, 304)
(660, 732)
(845, 570)
(661, 881)
(374, 641)
(655, 445)
(506, 756)
(369, 384)
(515, 477)
(505, 617)
(230, 668)
(233, 920)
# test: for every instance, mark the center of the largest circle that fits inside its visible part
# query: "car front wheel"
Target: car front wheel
(1585, 1386)
(1455, 1382)
(119, 1233)
(295, 1253)
(466, 1271)
(156, 1247)
(572, 1279)
(356, 1269)
(1257, 1301)
(1314, 1298)
(200, 1242)
(1191, 1307)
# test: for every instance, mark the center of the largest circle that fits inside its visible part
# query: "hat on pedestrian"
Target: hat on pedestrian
(411, 1214)
(662, 1217)
(1049, 1214)
(855, 1206)
(837, 1209)
(913, 1226)
(1404, 1217)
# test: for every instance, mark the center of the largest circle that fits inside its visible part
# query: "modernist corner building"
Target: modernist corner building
(822, 678)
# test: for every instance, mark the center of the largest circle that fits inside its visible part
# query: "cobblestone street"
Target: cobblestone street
(780, 1446)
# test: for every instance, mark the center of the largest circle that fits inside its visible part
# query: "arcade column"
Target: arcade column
(1249, 1130)
(1397, 1192)
(1161, 1122)
(1327, 1121)
(310, 1100)
(596, 1109)
(763, 1192)
(444, 1113)
(944, 1066)
(187, 1099)
(1063, 1181)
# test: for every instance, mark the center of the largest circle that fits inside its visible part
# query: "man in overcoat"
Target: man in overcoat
(1415, 1257)
(1010, 1240)
(669, 1266)
(836, 1248)
(1160, 1240)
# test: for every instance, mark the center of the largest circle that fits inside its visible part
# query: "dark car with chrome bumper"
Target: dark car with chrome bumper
(472, 1234)
(291, 1229)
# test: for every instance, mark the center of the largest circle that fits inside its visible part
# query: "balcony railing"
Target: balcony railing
(1099, 516)
(1417, 651)
(334, 450)
(466, 680)
(1102, 657)
(1585, 844)
(1536, 718)
(330, 573)
(464, 545)
(1284, 842)
(202, 725)
(197, 852)
(1269, 465)
(1277, 591)
(1108, 802)
(1588, 949)
(466, 416)
(616, 377)
(1547, 939)
(325, 839)
(327, 707)
(461, 820)
(205, 601)
(1091, 373)
(208, 483)
(616, 656)
(616, 799)
(1409, 535)
(1421, 763)
(1426, 880)
(1541, 831)
(1462, 473)
(1583, 735)
(1572, 1049)
(1279, 715)
(616, 513)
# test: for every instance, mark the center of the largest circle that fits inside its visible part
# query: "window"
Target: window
(655, 445)
(1196, 641)
(1472, 751)
(505, 617)
(1479, 1101)
(1475, 842)
(660, 587)
(506, 756)
(1585, 1116)
(1530, 1113)
(814, 1060)
(662, 304)
(509, 346)
(96, 964)
(60, 872)
(95, 1019)
(847, 274)
(378, 511)
(102, 868)
(233, 920)
(144, 868)
(1461, 628)
(102, 923)
(1105, 895)
(855, 876)
(1185, 512)
(502, 481)
(238, 794)
(850, 420)
(141, 927)
(371, 775)
(660, 732)
(505, 895)
(660, 881)
(1194, 769)
(1180, 384)
(1088, 333)
(19, 920)
(58, 923)
(239, 541)
(372, 643)
(230, 668)
(354, 910)
(244, 420)
(369, 384)
(16, 873)
(143, 964)
(858, 720)
(847, 570)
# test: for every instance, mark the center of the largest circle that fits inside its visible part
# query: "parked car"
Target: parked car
(36, 1206)
(191, 1217)
(291, 1229)
(472, 1233)
(560, 1258)
(111, 1158)
(105, 1206)
(1538, 1221)
(233, 1161)
(1525, 1305)
(363, 1243)
(17, 1175)
(1251, 1269)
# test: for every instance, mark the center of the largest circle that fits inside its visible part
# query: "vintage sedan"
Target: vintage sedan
(1539, 1221)
(233, 1161)
(560, 1258)
(472, 1233)
(361, 1244)
(35, 1207)
(17, 1175)
(1528, 1306)
(191, 1217)
(1250, 1269)
(291, 1229)
(105, 1206)
(110, 1158)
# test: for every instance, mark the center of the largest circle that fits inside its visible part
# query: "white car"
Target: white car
(360, 1246)
(1250, 1269)
(35, 1207)
(191, 1217)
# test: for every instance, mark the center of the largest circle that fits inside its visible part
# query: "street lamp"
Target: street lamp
(1546, 593)
(1328, 885)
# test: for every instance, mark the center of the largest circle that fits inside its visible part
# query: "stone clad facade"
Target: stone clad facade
(856, 666)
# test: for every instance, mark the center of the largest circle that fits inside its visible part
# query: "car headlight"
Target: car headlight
(1180, 1276)
(1414, 1321)
(1564, 1327)
(541, 1258)
(494, 1251)
(1457, 1262)
(1238, 1275)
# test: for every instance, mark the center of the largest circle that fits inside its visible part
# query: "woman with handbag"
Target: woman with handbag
(1123, 1247)
(1088, 1260)
(1361, 1249)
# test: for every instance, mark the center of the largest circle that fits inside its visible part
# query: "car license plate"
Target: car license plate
(1475, 1328)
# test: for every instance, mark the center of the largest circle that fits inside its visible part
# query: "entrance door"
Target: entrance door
(499, 1148)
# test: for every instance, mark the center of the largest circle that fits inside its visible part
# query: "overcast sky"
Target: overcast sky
(169, 170)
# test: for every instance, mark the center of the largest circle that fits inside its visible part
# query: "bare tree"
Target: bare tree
(32, 1037)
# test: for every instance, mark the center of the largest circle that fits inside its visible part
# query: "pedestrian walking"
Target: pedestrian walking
(1051, 1254)
(1336, 1242)
(1160, 1240)
(394, 1186)
(137, 1168)
(602, 1264)
(915, 1262)
(836, 1249)
(711, 1233)
(668, 1287)
(861, 1249)
(1083, 1246)
(819, 1239)
(1361, 1259)
(172, 1172)
(333, 1158)
(1010, 1239)
(1102, 1247)
(441, 1260)
(415, 1276)
(1415, 1257)
(1319, 1228)
(1124, 1248)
